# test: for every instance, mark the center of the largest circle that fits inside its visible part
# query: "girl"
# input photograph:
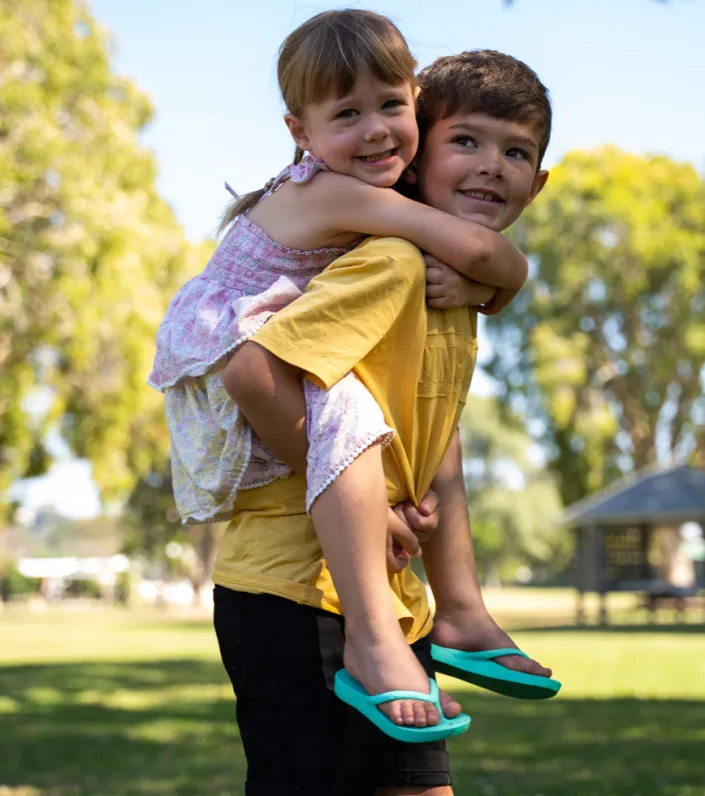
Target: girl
(347, 79)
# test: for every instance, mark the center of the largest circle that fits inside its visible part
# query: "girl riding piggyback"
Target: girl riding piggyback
(278, 239)
(347, 79)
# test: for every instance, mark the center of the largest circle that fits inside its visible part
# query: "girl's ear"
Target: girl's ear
(298, 131)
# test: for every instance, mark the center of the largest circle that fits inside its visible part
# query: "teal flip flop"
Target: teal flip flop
(352, 693)
(480, 669)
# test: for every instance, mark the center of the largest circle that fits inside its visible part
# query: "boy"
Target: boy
(485, 122)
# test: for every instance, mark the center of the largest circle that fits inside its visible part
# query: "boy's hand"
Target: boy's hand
(499, 302)
(446, 288)
(408, 528)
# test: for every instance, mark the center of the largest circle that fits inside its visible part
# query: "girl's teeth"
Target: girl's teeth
(382, 156)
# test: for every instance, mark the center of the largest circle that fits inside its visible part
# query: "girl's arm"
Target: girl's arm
(344, 204)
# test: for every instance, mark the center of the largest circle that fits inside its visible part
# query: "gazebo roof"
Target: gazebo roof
(658, 496)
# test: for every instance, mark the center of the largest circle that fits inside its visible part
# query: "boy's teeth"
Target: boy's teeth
(488, 197)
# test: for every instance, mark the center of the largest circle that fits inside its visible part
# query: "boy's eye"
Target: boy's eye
(515, 152)
(348, 113)
(464, 140)
(393, 103)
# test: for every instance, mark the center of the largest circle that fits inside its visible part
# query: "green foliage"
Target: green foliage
(513, 501)
(83, 587)
(153, 522)
(89, 253)
(14, 584)
(605, 348)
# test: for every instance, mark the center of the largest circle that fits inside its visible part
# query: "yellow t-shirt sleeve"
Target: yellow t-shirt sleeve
(346, 310)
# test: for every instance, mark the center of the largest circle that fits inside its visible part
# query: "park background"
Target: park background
(119, 122)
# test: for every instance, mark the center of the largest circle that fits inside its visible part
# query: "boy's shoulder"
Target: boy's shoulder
(397, 254)
(397, 249)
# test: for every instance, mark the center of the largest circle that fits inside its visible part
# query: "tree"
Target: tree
(89, 253)
(513, 501)
(604, 350)
(152, 524)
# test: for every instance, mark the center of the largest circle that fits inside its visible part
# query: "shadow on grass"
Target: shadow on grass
(123, 729)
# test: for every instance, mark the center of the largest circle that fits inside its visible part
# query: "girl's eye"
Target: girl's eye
(393, 103)
(464, 140)
(348, 113)
(515, 152)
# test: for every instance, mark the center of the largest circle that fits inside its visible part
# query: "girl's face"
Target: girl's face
(370, 134)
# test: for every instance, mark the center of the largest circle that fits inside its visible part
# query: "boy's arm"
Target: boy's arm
(502, 298)
(344, 204)
(269, 394)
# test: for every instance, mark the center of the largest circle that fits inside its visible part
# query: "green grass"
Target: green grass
(119, 704)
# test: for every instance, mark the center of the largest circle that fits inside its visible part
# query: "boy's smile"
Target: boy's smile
(480, 168)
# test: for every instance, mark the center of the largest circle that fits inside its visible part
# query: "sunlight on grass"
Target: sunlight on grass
(19, 791)
(113, 703)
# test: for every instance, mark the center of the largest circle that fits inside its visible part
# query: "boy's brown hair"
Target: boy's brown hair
(484, 81)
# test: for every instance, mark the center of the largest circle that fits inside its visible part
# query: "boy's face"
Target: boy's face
(480, 168)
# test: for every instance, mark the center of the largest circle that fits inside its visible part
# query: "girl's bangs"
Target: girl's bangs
(335, 62)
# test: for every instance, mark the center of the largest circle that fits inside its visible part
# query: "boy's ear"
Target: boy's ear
(540, 181)
(298, 131)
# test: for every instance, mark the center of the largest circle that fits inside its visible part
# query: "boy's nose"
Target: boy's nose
(489, 164)
(490, 167)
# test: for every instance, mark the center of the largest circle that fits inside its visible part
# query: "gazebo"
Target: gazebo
(628, 537)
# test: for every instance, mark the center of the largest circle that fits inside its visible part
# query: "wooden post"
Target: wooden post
(600, 567)
(580, 608)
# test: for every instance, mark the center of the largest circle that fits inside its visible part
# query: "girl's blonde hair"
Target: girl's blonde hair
(323, 58)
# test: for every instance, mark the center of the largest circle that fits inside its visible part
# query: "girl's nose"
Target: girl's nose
(377, 129)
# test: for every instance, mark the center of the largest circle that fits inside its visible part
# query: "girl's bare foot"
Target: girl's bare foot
(384, 661)
(471, 631)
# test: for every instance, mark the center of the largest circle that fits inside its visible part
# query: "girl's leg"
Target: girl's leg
(462, 620)
(351, 522)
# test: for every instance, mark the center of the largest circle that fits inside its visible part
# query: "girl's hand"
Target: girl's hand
(446, 288)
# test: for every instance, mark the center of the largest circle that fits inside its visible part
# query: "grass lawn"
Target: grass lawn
(110, 703)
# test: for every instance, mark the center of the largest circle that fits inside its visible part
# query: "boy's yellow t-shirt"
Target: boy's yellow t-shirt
(365, 313)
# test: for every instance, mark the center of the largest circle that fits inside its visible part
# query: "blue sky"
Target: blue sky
(628, 72)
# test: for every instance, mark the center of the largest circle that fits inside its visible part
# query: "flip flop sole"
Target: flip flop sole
(492, 676)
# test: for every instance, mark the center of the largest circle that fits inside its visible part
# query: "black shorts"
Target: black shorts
(299, 738)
